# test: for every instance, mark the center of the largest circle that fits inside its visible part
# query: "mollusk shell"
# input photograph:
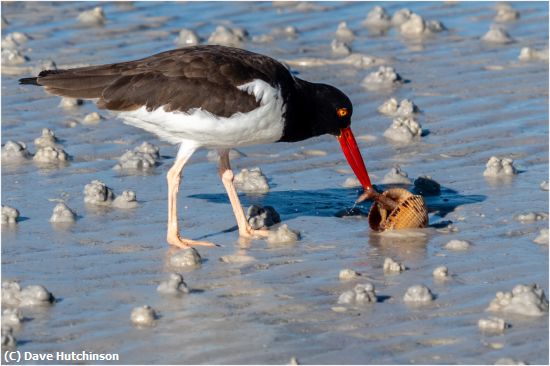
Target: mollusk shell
(411, 212)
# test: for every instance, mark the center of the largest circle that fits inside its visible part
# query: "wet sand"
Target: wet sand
(476, 99)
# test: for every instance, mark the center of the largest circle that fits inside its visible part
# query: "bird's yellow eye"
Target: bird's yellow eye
(342, 112)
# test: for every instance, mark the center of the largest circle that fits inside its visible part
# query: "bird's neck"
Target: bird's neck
(301, 113)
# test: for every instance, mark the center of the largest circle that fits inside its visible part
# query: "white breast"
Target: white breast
(261, 125)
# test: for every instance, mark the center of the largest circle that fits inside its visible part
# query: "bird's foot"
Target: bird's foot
(250, 233)
(180, 242)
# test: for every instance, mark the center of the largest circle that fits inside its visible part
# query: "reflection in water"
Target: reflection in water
(410, 244)
(276, 245)
(338, 202)
(49, 168)
(496, 182)
(99, 210)
(377, 31)
(11, 229)
(243, 243)
(63, 227)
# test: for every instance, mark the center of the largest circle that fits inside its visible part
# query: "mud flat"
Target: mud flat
(418, 294)
(8, 340)
(62, 214)
(30, 296)
(361, 294)
(391, 266)
(497, 35)
(234, 154)
(344, 33)
(92, 118)
(416, 27)
(187, 37)
(528, 300)
(12, 57)
(532, 54)
(505, 13)
(492, 325)
(97, 193)
(340, 48)
(174, 285)
(143, 316)
(127, 199)
(142, 158)
(14, 152)
(92, 17)
(404, 130)
(458, 245)
(50, 155)
(14, 40)
(382, 79)
(186, 258)
(542, 238)
(356, 60)
(9, 215)
(392, 107)
(531, 217)
(251, 181)
(351, 182)
(70, 103)
(476, 99)
(396, 176)
(377, 17)
(348, 274)
(441, 273)
(237, 259)
(283, 235)
(227, 36)
(46, 139)
(499, 167)
(12, 317)
(509, 361)
(289, 32)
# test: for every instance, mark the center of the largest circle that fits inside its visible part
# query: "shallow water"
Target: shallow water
(477, 100)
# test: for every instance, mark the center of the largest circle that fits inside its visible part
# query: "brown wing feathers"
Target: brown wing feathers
(194, 77)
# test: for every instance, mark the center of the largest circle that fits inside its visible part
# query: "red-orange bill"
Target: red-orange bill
(353, 155)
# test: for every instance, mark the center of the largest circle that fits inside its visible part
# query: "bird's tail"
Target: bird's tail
(28, 81)
(84, 83)
(34, 81)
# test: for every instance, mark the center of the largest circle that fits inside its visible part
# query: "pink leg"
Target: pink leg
(226, 175)
(173, 178)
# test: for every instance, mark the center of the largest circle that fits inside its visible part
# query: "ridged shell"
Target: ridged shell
(410, 213)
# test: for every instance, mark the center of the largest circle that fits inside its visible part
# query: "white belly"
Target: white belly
(262, 125)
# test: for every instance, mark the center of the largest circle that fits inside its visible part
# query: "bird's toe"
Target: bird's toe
(253, 233)
(179, 242)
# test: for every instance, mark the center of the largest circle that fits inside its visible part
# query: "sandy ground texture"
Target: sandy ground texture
(260, 302)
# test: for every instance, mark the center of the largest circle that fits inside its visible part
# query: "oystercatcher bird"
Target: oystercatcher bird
(212, 97)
